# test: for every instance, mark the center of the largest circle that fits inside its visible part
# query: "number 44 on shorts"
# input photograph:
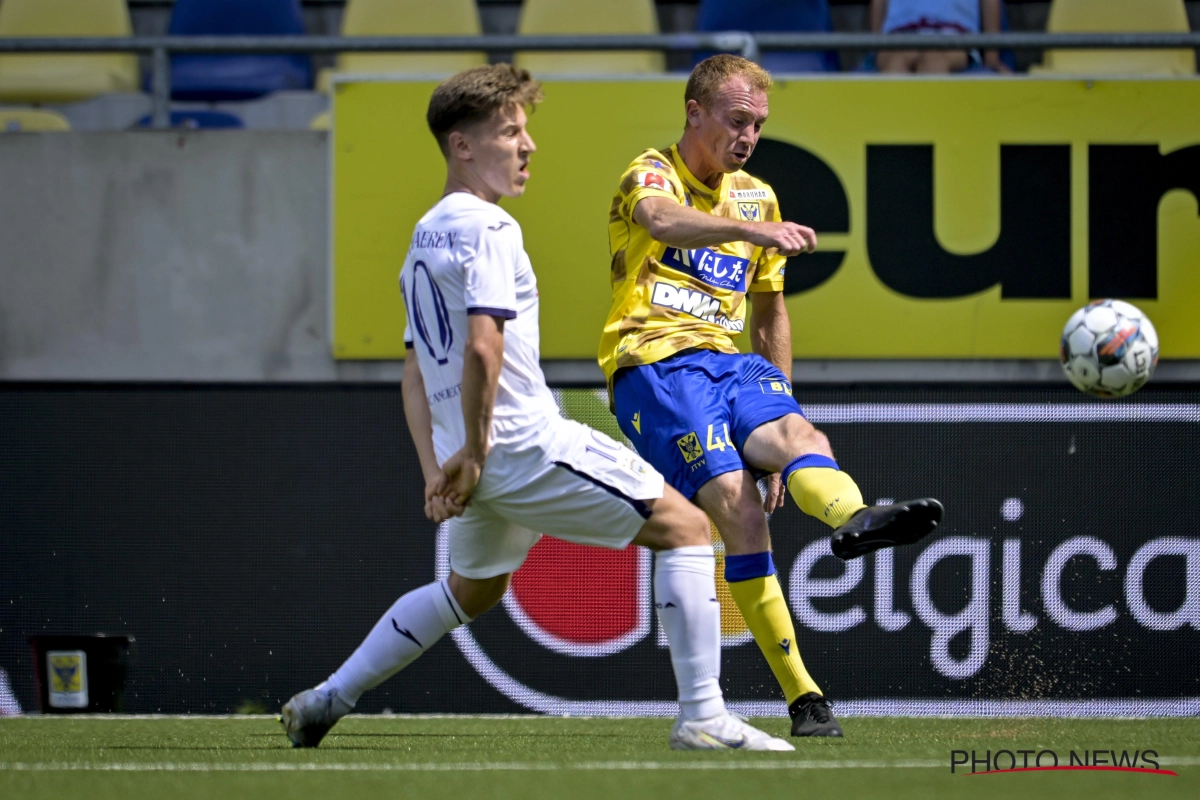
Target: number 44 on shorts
(689, 445)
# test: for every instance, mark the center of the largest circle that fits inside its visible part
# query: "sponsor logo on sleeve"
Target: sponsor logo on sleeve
(769, 386)
(652, 180)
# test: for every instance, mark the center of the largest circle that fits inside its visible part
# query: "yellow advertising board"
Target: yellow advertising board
(957, 218)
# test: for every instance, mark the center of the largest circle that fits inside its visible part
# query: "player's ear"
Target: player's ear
(692, 110)
(459, 145)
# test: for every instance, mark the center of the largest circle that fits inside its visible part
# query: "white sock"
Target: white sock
(685, 595)
(408, 629)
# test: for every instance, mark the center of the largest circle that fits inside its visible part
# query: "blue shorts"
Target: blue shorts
(690, 414)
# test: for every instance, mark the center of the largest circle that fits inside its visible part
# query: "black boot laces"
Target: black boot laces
(819, 709)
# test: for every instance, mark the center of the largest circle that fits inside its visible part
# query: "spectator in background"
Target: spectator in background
(936, 17)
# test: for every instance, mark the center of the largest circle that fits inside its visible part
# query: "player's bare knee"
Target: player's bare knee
(805, 439)
(673, 522)
(477, 595)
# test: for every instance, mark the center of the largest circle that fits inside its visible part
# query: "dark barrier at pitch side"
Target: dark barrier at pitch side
(249, 537)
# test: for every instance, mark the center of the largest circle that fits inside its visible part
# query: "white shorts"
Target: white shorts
(583, 487)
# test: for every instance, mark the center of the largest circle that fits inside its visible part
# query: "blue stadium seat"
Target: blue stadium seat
(217, 78)
(760, 16)
(197, 120)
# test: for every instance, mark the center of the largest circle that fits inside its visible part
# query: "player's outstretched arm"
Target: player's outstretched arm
(482, 359)
(679, 226)
(420, 426)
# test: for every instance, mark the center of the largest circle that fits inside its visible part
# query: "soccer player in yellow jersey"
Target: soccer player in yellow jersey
(691, 236)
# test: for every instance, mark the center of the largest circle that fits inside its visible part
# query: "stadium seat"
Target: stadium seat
(566, 17)
(198, 120)
(807, 16)
(29, 120)
(409, 18)
(56, 78)
(217, 78)
(1118, 16)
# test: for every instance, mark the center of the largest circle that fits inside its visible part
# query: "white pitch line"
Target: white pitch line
(494, 766)
(469, 766)
(272, 717)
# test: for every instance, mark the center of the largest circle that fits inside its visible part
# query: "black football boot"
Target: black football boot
(811, 716)
(876, 527)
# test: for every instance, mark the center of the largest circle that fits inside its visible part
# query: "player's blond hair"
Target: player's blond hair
(475, 94)
(711, 74)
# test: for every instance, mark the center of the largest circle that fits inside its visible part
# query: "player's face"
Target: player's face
(501, 150)
(730, 130)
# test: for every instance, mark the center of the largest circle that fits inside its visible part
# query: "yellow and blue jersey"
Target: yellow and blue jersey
(668, 299)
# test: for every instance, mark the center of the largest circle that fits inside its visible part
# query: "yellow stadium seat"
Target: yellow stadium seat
(1119, 16)
(567, 17)
(57, 78)
(27, 120)
(408, 18)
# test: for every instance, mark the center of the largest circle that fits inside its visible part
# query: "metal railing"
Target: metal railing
(746, 44)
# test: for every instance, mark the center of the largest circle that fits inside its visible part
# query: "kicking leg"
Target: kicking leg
(410, 627)
(791, 445)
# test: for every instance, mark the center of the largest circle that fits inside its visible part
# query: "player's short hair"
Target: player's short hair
(710, 75)
(475, 94)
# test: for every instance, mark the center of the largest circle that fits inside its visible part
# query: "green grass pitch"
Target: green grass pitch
(565, 759)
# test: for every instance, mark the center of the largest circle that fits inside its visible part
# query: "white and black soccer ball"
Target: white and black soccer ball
(1109, 348)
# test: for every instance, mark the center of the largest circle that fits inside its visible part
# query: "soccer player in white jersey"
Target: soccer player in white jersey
(499, 461)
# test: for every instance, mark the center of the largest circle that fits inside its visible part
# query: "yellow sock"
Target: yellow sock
(822, 490)
(766, 614)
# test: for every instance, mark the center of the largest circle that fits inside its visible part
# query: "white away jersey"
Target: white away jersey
(467, 256)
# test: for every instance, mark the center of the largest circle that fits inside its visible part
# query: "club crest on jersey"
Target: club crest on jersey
(689, 447)
(721, 270)
(652, 180)
(750, 211)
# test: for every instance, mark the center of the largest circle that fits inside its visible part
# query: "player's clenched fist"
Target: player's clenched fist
(460, 477)
(437, 508)
(788, 238)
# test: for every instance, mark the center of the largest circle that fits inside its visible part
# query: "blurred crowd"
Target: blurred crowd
(43, 91)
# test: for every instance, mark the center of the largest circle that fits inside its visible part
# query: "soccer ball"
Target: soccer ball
(1109, 349)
